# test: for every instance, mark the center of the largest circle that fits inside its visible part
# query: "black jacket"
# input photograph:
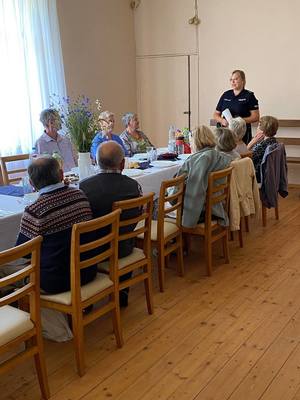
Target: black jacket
(102, 190)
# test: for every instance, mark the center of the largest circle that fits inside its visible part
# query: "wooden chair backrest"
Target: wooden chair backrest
(6, 173)
(145, 204)
(176, 199)
(30, 271)
(109, 240)
(247, 154)
(218, 191)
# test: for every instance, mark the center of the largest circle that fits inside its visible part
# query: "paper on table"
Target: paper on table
(227, 115)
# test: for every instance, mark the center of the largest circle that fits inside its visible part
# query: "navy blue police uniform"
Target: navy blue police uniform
(239, 106)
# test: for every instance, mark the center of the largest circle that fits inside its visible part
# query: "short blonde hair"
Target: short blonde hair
(225, 139)
(203, 137)
(269, 125)
(103, 117)
(238, 127)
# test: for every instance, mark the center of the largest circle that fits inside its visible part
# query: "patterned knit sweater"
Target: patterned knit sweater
(52, 217)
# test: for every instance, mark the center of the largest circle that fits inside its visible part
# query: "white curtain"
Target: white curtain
(31, 69)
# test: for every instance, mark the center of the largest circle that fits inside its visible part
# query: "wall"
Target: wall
(99, 52)
(165, 46)
(260, 37)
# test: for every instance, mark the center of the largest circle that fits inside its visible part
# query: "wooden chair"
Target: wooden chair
(1, 176)
(211, 230)
(6, 173)
(80, 297)
(273, 179)
(247, 154)
(264, 214)
(166, 233)
(139, 260)
(244, 195)
(18, 327)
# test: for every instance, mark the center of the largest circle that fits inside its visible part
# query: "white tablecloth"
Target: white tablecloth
(11, 208)
(151, 179)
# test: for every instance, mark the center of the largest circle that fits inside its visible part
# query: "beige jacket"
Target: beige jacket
(244, 192)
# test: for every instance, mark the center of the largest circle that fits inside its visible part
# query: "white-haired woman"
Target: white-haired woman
(107, 123)
(238, 127)
(205, 159)
(135, 141)
(226, 142)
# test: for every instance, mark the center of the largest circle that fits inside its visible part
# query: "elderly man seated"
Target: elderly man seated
(108, 186)
(52, 216)
(52, 142)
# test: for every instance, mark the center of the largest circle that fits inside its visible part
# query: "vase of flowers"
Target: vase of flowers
(80, 121)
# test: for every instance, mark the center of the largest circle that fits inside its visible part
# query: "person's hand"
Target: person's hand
(224, 122)
(259, 137)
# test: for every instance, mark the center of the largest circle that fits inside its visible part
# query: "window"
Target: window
(31, 69)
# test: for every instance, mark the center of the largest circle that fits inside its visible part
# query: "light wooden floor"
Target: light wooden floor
(233, 336)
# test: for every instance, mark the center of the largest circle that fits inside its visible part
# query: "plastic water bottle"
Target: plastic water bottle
(172, 141)
(33, 154)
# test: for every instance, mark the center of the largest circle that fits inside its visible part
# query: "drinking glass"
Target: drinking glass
(27, 188)
(29, 195)
(149, 151)
(180, 148)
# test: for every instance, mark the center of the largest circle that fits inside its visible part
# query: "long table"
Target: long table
(11, 208)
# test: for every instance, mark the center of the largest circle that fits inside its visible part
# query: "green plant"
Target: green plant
(79, 119)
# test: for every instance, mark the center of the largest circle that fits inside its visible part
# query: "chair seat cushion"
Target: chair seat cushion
(169, 229)
(14, 322)
(100, 283)
(136, 255)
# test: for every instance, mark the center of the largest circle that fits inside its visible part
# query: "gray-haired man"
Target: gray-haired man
(52, 216)
(108, 186)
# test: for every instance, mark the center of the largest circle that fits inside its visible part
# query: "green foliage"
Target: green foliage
(79, 119)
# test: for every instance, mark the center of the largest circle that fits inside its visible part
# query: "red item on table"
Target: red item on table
(187, 148)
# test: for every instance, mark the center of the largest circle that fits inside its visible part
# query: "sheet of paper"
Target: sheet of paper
(227, 115)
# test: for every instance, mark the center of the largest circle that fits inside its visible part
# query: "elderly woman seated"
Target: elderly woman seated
(135, 141)
(205, 159)
(226, 142)
(107, 123)
(267, 129)
(53, 142)
(238, 127)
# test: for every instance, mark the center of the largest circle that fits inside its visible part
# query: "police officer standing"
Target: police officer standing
(240, 102)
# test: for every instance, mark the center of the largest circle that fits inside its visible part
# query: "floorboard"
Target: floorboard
(235, 335)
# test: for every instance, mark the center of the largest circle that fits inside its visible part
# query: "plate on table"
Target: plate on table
(75, 170)
(162, 164)
(132, 172)
(140, 156)
(183, 156)
(71, 177)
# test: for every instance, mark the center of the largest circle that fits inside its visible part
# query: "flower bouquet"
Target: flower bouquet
(79, 119)
(80, 122)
